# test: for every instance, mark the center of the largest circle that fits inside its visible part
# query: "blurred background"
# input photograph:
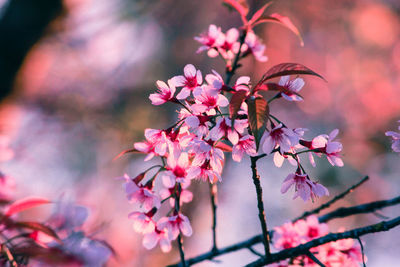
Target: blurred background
(75, 76)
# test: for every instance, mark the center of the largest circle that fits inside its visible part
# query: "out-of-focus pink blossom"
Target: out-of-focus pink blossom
(142, 223)
(230, 45)
(292, 88)
(395, 139)
(164, 92)
(191, 79)
(253, 45)
(150, 240)
(6, 153)
(7, 187)
(211, 40)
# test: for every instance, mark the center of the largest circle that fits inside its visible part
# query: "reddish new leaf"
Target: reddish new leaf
(284, 69)
(235, 103)
(258, 13)
(38, 227)
(133, 150)
(272, 87)
(258, 111)
(224, 147)
(282, 20)
(24, 204)
(241, 6)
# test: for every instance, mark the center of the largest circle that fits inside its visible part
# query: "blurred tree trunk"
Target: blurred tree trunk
(22, 24)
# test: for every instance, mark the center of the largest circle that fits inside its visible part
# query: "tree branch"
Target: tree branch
(325, 218)
(333, 200)
(260, 205)
(304, 248)
(213, 195)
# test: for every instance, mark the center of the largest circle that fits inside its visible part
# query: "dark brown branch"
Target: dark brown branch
(230, 72)
(304, 248)
(333, 200)
(363, 208)
(214, 200)
(260, 205)
(258, 238)
(180, 242)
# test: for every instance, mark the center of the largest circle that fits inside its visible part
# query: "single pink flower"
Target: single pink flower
(174, 225)
(205, 172)
(210, 41)
(142, 222)
(253, 45)
(246, 145)
(280, 136)
(164, 93)
(304, 187)
(206, 99)
(150, 240)
(292, 88)
(191, 79)
(223, 128)
(177, 165)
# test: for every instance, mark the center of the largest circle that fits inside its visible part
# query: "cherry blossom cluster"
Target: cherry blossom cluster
(193, 148)
(395, 139)
(345, 252)
(227, 45)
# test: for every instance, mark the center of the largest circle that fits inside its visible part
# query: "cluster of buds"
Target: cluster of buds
(345, 252)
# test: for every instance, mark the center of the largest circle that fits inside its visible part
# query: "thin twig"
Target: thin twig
(362, 251)
(258, 238)
(180, 241)
(260, 205)
(363, 208)
(315, 259)
(333, 200)
(214, 200)
(255, 252)
(304, 248)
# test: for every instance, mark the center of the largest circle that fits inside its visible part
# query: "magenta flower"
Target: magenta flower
(304, 187)
(164, 93)
(177, 165)
(189, 81)
(207, 98)
(174, 225)
(246, 145)
(211, 40)
(280, 136)
(292, 88)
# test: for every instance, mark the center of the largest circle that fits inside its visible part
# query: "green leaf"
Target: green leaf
(258, 111)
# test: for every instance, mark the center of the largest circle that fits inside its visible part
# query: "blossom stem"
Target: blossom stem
(235, 64)
(180, 241)
(260, 205)
(213, 196)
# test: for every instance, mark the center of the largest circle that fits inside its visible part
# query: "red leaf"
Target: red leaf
(38, 227)
(133, 150)
(273, 87)
(258, 111)
(241, 6)
(284, 69)
(259, 13)
(235, 103)
(24, 204)
(224, 147)
(282, 20)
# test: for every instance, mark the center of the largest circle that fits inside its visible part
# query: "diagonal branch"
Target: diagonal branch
(333, 200)
(304, 248)
(376, 205)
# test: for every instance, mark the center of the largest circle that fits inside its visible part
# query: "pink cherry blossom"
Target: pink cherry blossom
(223, 128)
(242, 83)
(292, 88)
(164, 93)
(191, 79)
(199, 124)
(207, 98)
(7, 187)
(143, 195)
(230, 45)
(254, 46)
(150, 240)
(304, 187)
(280, 136)
(286, 236)
(310, 228)
(215, 81)
(177, 165)
(211, 40)
(205, 172)
(205, 151)
(246, 145)
(185, 195)
(395, 139)
(174, 225)
(142, 222)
